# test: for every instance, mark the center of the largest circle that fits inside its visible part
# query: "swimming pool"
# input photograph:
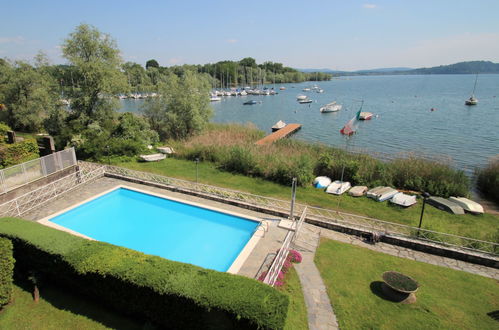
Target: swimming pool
(167, 228)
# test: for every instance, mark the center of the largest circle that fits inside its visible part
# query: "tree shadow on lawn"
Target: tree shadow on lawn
(64, 299)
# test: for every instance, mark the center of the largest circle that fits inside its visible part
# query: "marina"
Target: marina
(425, 112)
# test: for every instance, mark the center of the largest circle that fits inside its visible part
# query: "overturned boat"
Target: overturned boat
(381, 193)
(445, 205)
(338, 187)
(403, 199)
(322, 182)
(467, 204)
(357, 191)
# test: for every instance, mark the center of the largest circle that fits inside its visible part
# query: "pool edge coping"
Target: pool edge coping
(236, 264)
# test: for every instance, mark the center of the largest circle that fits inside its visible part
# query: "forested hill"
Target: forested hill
(459, 68)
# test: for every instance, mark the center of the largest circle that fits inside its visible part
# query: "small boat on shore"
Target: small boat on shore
(381, 193)
(331, 107)
(322, 182)
(445, 205)
(277, 126)
(357, 191)
(153, 157)
(365, 115)
(305, 101)
(402, 199)
(467, 204)
(338, 187)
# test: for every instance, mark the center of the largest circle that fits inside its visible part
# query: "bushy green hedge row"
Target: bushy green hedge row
(19, 152)
(6, 270)
(488, 180)
(172, 294)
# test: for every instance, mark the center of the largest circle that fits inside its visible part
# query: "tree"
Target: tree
(183, 107)
(152, 64)
(28, 93)
(96, 61)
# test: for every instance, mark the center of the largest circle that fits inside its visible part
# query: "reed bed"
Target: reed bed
(232, 147)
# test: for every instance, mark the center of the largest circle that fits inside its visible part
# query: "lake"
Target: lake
(403, 122)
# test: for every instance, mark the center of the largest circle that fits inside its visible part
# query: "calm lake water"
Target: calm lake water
(467, 136)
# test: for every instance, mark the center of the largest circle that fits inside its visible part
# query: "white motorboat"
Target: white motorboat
(306, 89)
(301, 97)
(338, 187)
(214, 98)
(468, 205)
(305, 101)
(331, 107)
(322, 182)
(280, 124)
(282, 88)
(403, 199)
(381, 194)
(320, 90)
(243, 93)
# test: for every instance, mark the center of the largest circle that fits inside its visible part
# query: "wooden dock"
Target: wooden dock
(282, 133)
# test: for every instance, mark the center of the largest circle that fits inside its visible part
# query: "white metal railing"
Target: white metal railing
(89, 171)
(37, 197)
(21, 174)
(276, 266)
(314, 213)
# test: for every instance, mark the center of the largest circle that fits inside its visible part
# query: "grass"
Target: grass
(447, 299)
(297, 311)
(481, 227)
(57, 309)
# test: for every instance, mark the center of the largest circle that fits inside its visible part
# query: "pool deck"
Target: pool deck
(270, 236)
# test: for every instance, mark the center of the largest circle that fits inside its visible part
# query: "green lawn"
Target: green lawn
(59, 310)
(481, 227)
(297, 311)
(447, 299)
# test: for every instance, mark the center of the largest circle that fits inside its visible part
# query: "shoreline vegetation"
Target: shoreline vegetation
(231, 147)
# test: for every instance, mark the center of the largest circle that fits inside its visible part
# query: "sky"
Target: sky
(340, 35)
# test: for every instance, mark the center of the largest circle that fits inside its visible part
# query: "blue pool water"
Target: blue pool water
(162, 227)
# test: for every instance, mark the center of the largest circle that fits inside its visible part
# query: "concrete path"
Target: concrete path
(319, 309)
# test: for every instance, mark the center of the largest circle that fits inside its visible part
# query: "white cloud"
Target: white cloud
(231, 41)
(12, 40)
(369, 5)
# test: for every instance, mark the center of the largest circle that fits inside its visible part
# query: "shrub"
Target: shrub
(6, 271)
(240, 160)
(19, 152)
(3, 132)
(171, 294)
(488, 180)
(294, 256)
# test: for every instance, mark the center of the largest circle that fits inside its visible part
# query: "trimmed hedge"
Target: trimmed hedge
(19, 152)
(169, 293)
(6, 271)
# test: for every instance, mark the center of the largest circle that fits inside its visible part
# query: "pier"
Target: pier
(282, 133)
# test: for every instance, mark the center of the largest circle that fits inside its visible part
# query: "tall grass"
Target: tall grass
(232, 147)
(488, 180)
